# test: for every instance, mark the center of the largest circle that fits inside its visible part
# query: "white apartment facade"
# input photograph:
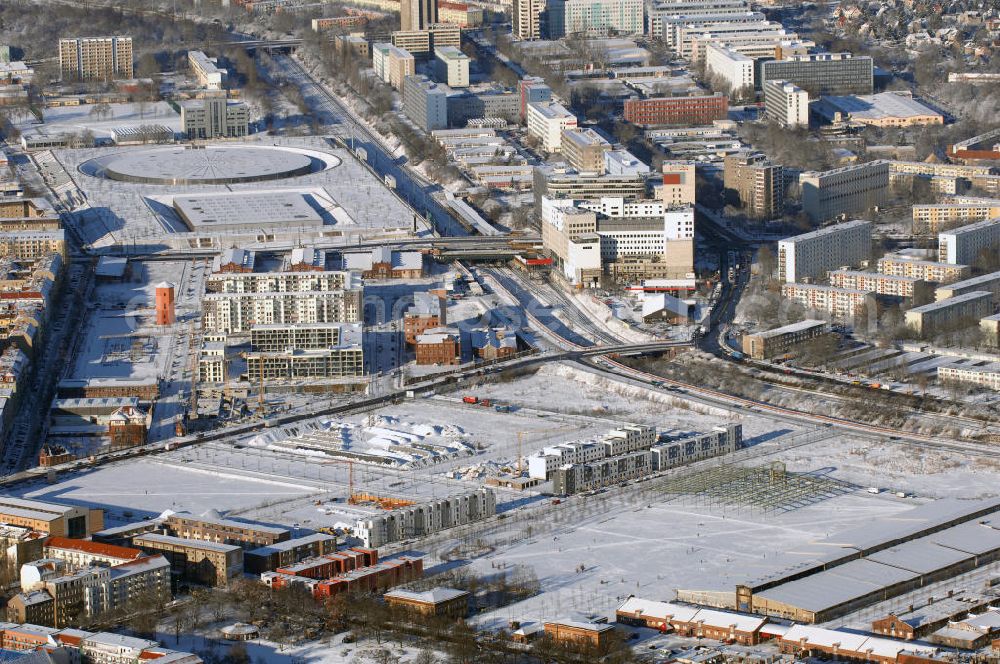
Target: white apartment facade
(813, 255)
(963, 246)
(734, 68)
(842, 303)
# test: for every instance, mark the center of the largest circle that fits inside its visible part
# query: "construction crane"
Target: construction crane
(361, 498)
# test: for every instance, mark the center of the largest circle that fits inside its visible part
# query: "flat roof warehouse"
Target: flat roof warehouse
(246, 210)
(858, 567)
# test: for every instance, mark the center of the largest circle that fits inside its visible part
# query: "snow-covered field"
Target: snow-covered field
(76, 119)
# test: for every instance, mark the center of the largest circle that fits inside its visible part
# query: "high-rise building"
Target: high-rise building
(526, 19)
(734, 69)
(786, 104)
(822, 73)
(425, 102)
(812, 255)
(417, 14)
(759, 185)
(95, 58)
(546, 122)
(601, 17)
(392, 64)
(451, 66)
(845, 190)
(532, 89)
(584, 149)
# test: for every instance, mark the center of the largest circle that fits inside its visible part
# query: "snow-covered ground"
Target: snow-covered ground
(77, 119)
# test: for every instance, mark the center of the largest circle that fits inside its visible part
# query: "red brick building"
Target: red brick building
(53, 455)
(127, 428)
(441, 345)
(677, 110)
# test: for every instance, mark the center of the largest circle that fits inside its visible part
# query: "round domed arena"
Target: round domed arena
(208, 164)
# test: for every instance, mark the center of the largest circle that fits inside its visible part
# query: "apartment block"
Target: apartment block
(289, 552)
(965, 245)
(734, 69)
(215, 117)
(584, 150)
(786, 103)
(95, 58)
(765, 345)
(392, 64)
(842, 303)
(987, 376)
(812, 255)
(846, 190)
(568, 17)
(822, 74)
(417, 14)
(81, 553)
(931, 318)
(425, 103)
(206, 70)
(696, 110)
(546, 122)
(623, 440)
(990, 328)
(195, 561)
(526, 22)
(451, 66)
(986, 282)
(875, 282)
(939, 273)
(51, 518)
(237, 313)
(935, 217)
(213, 528)
(672, 451)
(426, 518)
(342, 357)
(239, 281)
(306, 336)
(32, 245)
(575, 478)
(758, 184)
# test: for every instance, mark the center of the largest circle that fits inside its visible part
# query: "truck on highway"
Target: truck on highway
(470, 399)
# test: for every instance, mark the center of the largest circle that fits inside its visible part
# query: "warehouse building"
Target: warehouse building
(51, 518)
(691, 621)
(876, 562)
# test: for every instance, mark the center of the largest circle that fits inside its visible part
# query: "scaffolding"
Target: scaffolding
(769, 488)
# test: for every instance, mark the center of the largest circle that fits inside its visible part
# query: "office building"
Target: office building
(460, 14)
(623, 162)
(423, 42)
(733, 69)
(841, 303)
(51, 518)
(765, 345)
(206, 70)
(875, 282)
(786, 104)
(697, 110)
(678, 183)
(417, 14)
(822, 74)
(425, 103)
(985, 282)
(526, 19)
(487, 104)
(557, 181)
(844, 191)
(758, 185)
(584, 149)
(211, 527)
(196, 561)
(451, 66)
(967, 244)
(571, 17)
(936, 217)
(95, 58)
(907, 266)
(753, 38)
(661, 11)
(936, 317)
(214, 117)
(392, 64)
(546, 122)
(812, 255)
